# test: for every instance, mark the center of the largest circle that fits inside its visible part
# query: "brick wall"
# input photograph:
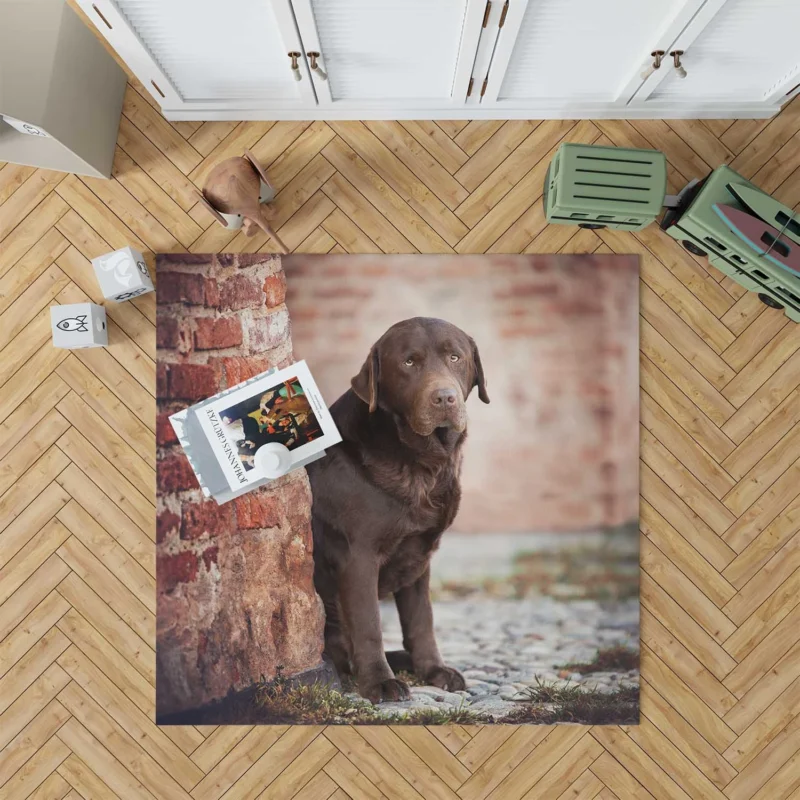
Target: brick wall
(235, 582)
(557, 448)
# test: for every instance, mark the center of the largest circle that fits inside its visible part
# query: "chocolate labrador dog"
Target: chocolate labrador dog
(384, 496)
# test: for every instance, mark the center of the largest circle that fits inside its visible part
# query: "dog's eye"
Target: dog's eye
(409, 362)
(454, 357)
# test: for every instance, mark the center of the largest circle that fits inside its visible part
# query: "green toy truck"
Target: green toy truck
(609, 187)
(605, 187)
(702, 232)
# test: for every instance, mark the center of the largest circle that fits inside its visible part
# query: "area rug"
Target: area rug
(467, 554)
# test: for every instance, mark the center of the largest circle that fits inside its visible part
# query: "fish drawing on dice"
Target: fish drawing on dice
(77, 324)
(129, 295)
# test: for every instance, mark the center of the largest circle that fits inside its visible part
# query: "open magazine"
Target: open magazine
(226, 436)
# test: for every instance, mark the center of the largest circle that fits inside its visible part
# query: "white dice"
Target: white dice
(79, 325)
(122, 274)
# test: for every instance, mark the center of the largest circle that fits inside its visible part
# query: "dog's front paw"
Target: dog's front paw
(447, 678)
(390, 691)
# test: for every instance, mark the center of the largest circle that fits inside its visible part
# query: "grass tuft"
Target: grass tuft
(577, 704)
(283, 701)
(609, 659)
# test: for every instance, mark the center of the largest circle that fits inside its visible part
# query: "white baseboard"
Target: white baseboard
(650, 111)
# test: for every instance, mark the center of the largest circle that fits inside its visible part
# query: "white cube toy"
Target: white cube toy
(79, 325)
(122, 274)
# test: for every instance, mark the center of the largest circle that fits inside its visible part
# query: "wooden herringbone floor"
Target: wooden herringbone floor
(720, 488)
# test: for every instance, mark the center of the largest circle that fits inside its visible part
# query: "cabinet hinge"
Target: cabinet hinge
(469, 88)
(503, 15)
(485, 83)
(486, 13)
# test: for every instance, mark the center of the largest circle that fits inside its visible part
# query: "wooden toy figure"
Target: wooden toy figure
(235, 193)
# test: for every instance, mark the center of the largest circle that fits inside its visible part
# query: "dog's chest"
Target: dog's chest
(429, 499)
(428, 512)
(407, 562)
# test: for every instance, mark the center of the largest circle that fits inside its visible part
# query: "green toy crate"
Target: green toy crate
(701, 231)
(605, 187)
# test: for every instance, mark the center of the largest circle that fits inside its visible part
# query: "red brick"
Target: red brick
(240, 292)
(266, 333)
(341, 291)
(175, 474)
(205, 517)
(211, 289)
(518, 290)
(165, 433)
(190, 382)
(239, 369)
(181, 287)
(167, 333)
(209, 556)
(217, 334)
(161, 380)
(259, 509)
(275, 289)
(174, 569)
(165, 523)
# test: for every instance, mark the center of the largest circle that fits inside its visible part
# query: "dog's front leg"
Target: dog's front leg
(358, 594)
(416, 619)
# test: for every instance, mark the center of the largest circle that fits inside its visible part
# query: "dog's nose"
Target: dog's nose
(441, 396)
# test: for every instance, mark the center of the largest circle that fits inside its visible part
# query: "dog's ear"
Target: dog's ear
(480, 380)
(365, 384)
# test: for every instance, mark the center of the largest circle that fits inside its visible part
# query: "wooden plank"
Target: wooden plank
(109, 479)
(26, 198)
(113, 520)
(420, 163)
(411, 219)
(30, 267)
(434, 138)
(683, 555)
(30, 230)
(118, 633)
(684, 736)
(159, 131)
(113, 592)
(37, 770)
(110, 443)
(128, 733)
(152, 197)
(100, 762)
(38, 295)
(370, 221)
(84, 782)
(34, 710)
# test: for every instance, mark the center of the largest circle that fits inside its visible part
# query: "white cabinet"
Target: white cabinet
(193, 54)
(407, 53)
(735, 51)
(576, 52)
(373, 59)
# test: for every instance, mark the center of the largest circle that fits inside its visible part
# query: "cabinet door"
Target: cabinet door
(555, 54)
(737, 50)
(391, 54)
(205, 54)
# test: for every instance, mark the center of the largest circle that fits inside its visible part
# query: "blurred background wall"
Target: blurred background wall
(558, 447)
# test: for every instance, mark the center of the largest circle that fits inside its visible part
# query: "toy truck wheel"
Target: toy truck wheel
(592, 226)
(769, 301)
(693, 248)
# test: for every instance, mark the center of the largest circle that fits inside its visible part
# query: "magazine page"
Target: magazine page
(284, 407)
